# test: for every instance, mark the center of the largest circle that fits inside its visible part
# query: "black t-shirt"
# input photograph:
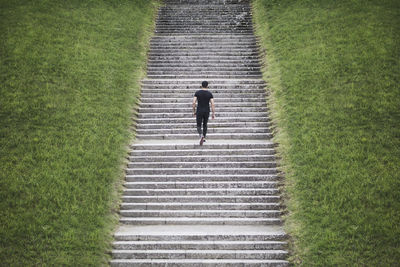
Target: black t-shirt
(203, 100)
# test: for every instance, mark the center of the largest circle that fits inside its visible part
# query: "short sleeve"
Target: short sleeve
(211, 95)
(196, 94)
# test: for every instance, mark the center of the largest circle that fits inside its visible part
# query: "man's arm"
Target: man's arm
(194, 105)
(212, 108)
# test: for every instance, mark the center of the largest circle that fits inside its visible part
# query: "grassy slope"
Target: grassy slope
(334, 72)
(69, 78)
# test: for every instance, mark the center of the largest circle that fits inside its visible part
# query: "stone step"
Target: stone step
(203, 31)
(188, 110)
(201, 184)
(211, 53)
(205, 35)
(180, 92)
(223, 18)
(202, 61)
(210, 13)
(186, 95)
(203, 49)
(254, 66)
(214, 136)
(184, 105)
(212, 21)
(227, 22)
(249, 157)
(202, 233)
(196, 164)
(200, 177)
(222, 145)
(214, 128)
(215, 88)
(204, 57)
(206, 74)
(187, 103)
(231, 121)
(201, 192)
(199, 68)
(192, 131)
(204, 71)
(199, 221)
(192, 125)
(201, 213)
(200, 206)
(201, 199)
(188, 114)
(191, 122)
(198, 262)
(206, 38)
(207, 28)
(212, 8)
(208, 153)
(168, 45)
(204, 2)
(197, 82)
(195, 3)
(199, 254)
(172, 97)
(196, 75)
(199, 245)
(229, 16)
(210, 25)
(204, 11)
(223, 87)
(207, 13)
(219, 116)
(236, 13)
(210, 171)
(203, 65)
(203, 40)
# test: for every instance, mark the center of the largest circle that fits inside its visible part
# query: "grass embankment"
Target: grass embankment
(69, 79)
(333, 69)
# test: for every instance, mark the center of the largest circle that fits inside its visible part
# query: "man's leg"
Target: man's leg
(205, 121)
(199, 119)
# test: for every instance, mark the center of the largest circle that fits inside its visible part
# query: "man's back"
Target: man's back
(203, 100)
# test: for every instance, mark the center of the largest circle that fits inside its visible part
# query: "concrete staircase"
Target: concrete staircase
(211, 205)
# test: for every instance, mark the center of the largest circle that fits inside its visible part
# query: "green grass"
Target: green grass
(68, 82)
(334, 74)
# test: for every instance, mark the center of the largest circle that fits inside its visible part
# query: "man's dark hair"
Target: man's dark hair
(204, 84)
